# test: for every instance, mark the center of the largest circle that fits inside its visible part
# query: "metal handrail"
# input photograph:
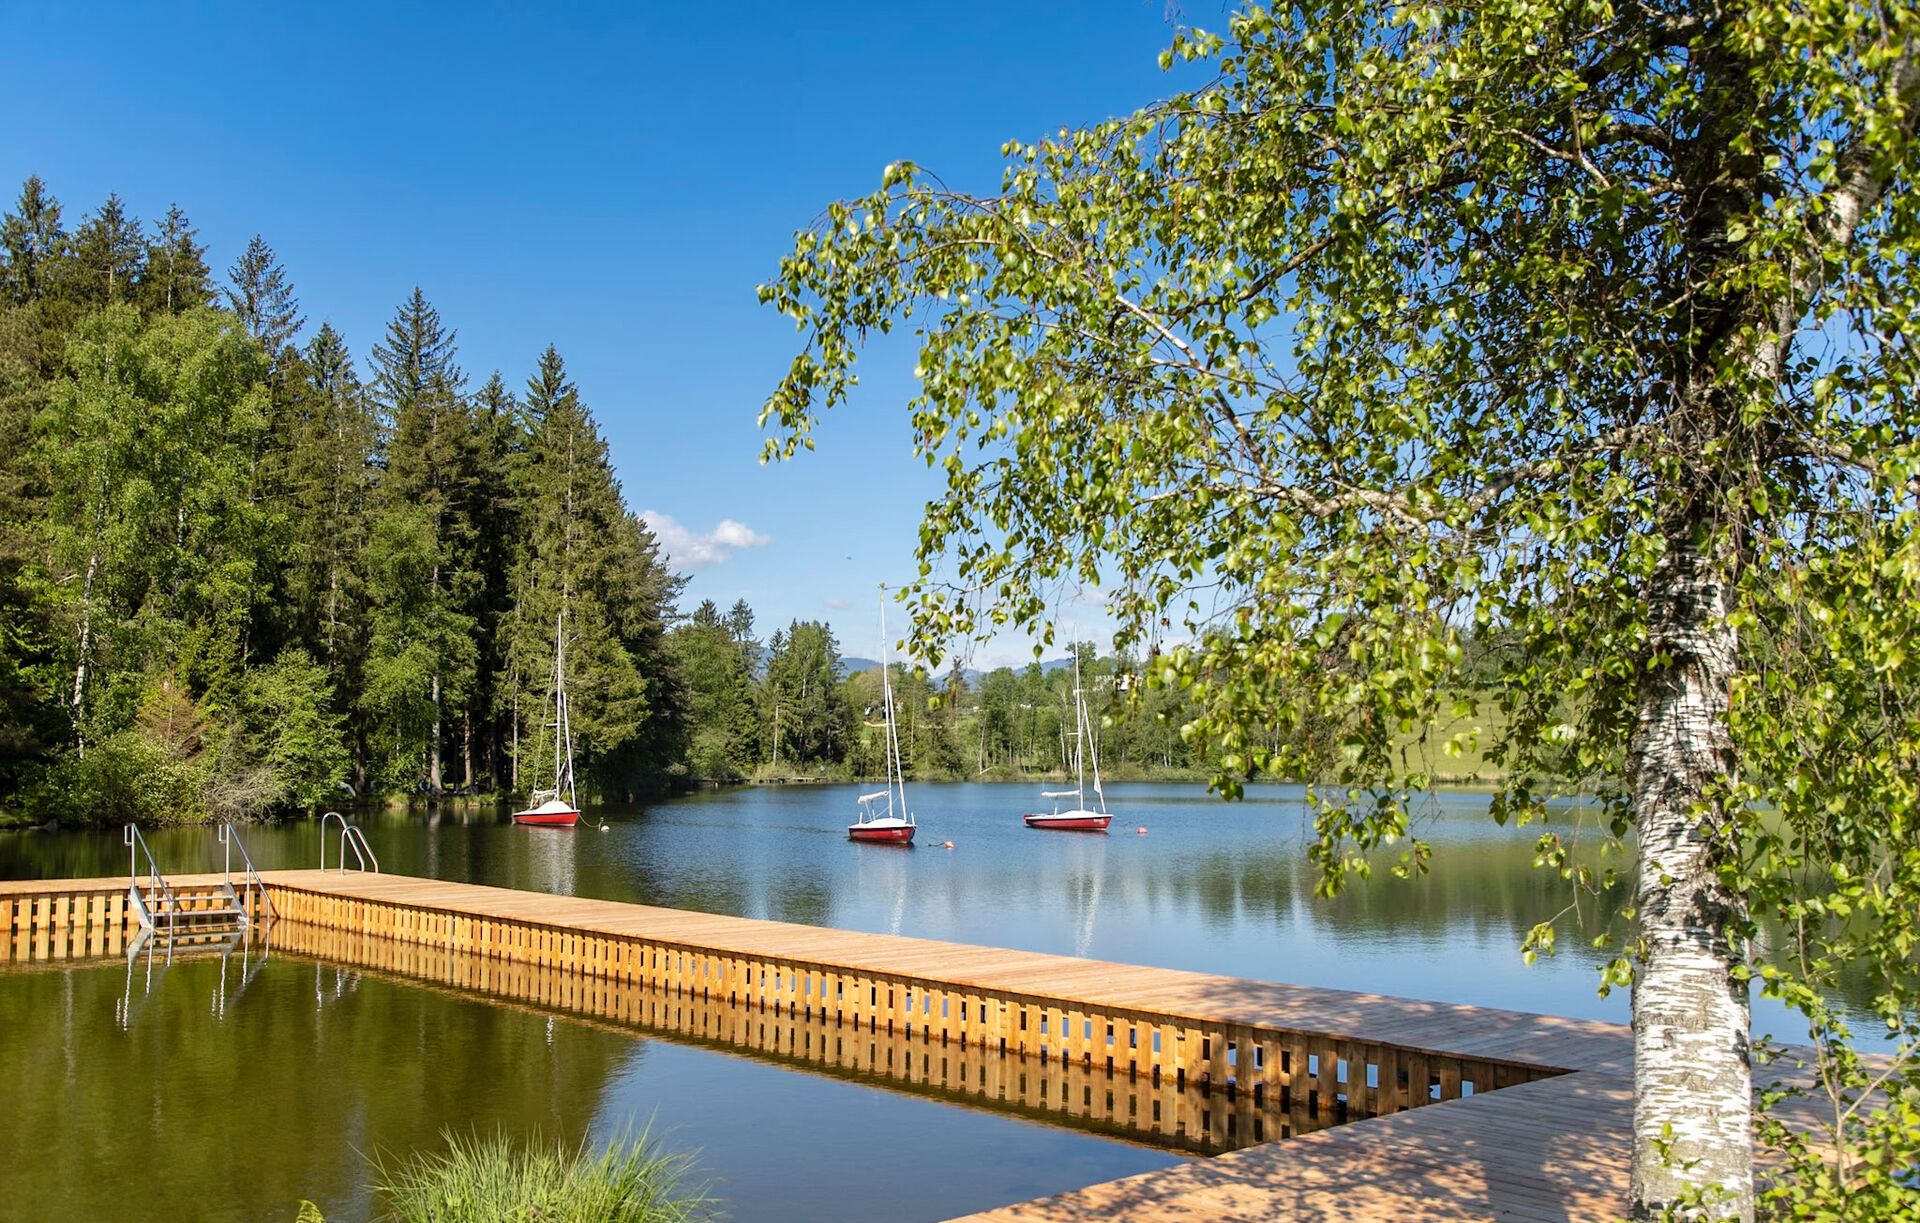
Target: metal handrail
(230, 839)
(362, 852)
(350, 838)
(137, 845)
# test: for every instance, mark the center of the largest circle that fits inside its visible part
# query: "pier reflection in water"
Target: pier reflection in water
(231, 1082)
(1137, 1107)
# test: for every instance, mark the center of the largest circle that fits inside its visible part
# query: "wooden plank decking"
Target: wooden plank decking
(1545, 1041)
(1547, 1152)
(1539, 1137)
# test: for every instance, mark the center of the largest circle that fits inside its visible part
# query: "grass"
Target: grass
(498, 1180)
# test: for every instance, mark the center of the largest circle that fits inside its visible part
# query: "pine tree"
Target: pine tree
(34, 243)
(332, 442)
(585, 563)
(260, 293)
(174, 277)
(499, 451)
(108, 255)
(803, 681)
(423, 646)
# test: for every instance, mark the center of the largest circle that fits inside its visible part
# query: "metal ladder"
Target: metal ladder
(350, 838)
(165, 914)
(251, 882)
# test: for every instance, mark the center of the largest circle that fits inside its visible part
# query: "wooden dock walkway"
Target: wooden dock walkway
(1453, 1112)
(1547, 1152)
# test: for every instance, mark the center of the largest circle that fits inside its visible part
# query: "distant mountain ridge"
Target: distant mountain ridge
(855, 665)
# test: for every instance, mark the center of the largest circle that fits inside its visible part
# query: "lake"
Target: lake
(236, 1104)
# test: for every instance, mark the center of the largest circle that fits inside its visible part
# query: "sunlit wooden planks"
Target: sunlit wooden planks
(1479, 1033)
(57, 919)
(1547, 1152)
(1550, 1151)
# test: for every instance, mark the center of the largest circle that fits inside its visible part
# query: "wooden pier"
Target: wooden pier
(1139, 1110)
(1450, 1112)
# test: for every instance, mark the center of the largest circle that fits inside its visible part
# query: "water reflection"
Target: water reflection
(229, 1084)
(1136, 1107)
(880, 874)
(1213, 886)
(241, 955)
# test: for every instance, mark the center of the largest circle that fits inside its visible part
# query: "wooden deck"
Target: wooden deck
(1481, 1033)
(1548, 1152)
(1454, 1112)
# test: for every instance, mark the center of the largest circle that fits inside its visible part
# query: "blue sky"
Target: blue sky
(615, 180)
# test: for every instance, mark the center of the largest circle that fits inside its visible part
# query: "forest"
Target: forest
(246, 571)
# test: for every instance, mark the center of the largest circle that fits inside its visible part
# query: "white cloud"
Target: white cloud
(697, 549)
(838, 604)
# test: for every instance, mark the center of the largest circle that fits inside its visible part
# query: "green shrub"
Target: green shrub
(126, 776)
(292, 735)
(497, 1180)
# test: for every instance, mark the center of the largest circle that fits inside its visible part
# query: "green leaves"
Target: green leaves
(1400, 363)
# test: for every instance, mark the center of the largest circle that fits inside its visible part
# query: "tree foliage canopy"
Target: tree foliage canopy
(235, 577)
(1577, 325)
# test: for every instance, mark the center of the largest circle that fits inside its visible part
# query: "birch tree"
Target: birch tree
(1580, 325)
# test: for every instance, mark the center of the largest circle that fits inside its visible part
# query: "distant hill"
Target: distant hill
(854, 666)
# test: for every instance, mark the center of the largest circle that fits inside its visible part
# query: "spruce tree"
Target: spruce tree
(722, 722)
(588, 562)
(740, 624)
(568, 564)
(423, 646)
(803, 680)
(109, 251)
(260, 293)
(34, 243)
(500, 445)
(174, 276)
(332, 443)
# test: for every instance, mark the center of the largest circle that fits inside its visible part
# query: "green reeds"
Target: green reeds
(498, 1180)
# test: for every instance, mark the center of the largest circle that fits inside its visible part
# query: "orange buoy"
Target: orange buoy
(1142, 830)
(946, 845)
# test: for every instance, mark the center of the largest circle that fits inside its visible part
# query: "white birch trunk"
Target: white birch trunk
(433, 743)
(1693, 1079)
(78, 708)
(433, 747)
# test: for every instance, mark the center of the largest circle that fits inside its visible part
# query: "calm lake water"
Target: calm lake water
(238, 1110)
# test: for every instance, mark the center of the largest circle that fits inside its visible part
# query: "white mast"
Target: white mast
(1086, 730)
(896, 767)
(563, 729)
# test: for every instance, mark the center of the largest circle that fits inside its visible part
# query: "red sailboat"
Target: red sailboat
(1077, 818)
(561, 808)
(897, 825)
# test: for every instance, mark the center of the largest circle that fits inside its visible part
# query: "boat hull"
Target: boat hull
(1071, 821)
(894, 835)
(547, 819)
